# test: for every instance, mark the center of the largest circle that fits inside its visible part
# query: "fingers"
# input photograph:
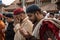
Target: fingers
(23, 32)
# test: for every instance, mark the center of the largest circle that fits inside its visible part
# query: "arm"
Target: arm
(27, 35)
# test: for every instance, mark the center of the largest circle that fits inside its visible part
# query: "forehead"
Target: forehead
(30, 13)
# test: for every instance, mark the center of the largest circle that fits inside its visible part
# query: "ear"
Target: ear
(36, 13)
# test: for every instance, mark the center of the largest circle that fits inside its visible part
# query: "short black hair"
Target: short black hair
(33, 8)
(9, 15)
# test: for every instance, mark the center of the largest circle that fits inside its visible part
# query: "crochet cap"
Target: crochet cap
(32, 8)
(18, 11)
(9, 15)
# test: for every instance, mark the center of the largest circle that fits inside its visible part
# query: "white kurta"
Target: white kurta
(26, 24)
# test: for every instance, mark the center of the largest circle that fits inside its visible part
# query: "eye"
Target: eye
(29, 15)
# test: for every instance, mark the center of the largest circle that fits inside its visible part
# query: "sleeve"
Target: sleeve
(2, 25)
(16, 28)
(28, 26)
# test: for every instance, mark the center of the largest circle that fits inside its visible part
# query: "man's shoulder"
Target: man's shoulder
(47, 21)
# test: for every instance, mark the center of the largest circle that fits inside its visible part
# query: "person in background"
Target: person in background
(46, 29)
(58, 17)
(17, 25)
(24, 22)
(9, 32)
(35, 18)
(51, 15)
(2, 26)
(58, 5)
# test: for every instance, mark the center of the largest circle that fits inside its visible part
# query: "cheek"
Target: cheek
(8, 20)
(32, 18)
(21, 17)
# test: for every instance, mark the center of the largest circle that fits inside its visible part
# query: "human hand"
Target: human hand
(24, 32)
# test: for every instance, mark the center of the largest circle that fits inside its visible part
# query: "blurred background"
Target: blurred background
(45, 5)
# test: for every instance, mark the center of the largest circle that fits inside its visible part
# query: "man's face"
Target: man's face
(59, 17)
(35, 16)
(22, 16)
(58, 6)
(51, 16)
(39, 16)
(16, 18)
(31, 17)
(9, 19)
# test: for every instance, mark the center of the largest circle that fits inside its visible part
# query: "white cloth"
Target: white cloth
(47, 15)
(17, 33)
(36, 30)
(17, 26)
(27, 25)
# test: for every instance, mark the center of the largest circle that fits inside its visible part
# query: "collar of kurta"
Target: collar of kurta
(25, 19)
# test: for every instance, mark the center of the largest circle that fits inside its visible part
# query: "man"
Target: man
(46, 29)
(35, 18)
(24, 22)
(58, 5)
(9, 32)
(58, 17)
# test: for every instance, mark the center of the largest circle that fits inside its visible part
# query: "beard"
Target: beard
(33, 21)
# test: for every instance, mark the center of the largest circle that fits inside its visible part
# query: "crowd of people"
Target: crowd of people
(33, 24)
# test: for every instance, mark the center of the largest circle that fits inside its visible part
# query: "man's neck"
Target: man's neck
(40, 18)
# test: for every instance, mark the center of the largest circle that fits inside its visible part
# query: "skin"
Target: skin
(35, 17)
(16, 18)
(22, 16)
(9, 19)
(19, 18)
(32, 17)
(59, 17)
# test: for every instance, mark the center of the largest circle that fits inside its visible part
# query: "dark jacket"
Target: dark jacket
(9, 34)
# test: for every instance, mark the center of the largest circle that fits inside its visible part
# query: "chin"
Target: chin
(32, 21)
